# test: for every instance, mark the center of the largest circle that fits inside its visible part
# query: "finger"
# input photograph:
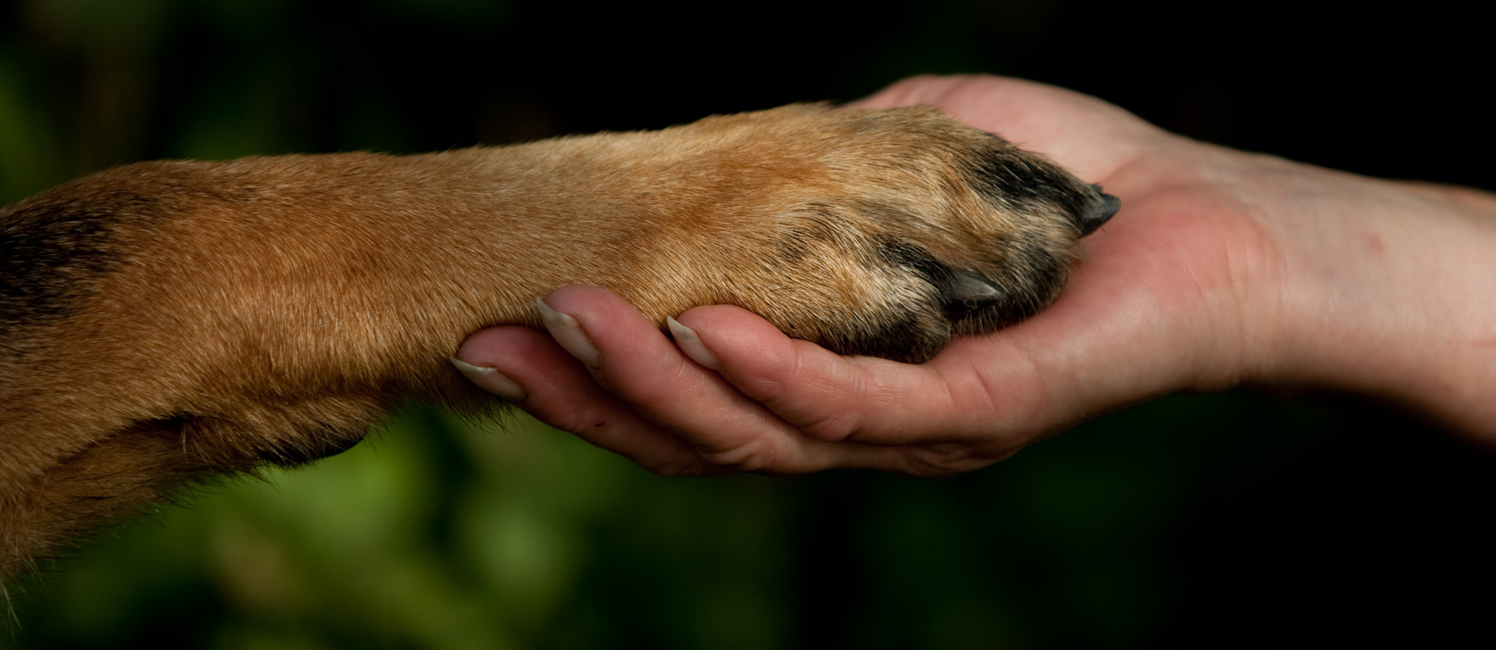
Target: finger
(641, 366)
(557, 390)
(863, 400)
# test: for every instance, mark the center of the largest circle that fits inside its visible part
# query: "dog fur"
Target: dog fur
(163, 320)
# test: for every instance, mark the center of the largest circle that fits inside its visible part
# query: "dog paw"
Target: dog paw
(881, 233)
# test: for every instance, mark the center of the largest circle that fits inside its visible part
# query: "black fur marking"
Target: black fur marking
(901, 336)
(792, 248)
(52, 252)
(1011, 179)
(54, 246)
(962, 292)
(917, 259)
(911, 336)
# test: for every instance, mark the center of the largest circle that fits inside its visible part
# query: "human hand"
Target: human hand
(1222, 268)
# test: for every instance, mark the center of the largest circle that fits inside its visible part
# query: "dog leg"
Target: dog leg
(162, 320)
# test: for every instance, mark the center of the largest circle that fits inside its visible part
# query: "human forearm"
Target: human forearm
(1391, 295)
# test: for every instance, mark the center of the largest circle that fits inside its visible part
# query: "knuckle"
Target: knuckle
(676, 467)
(573, 423)
(751, 455)
(951, 458)
(831, 426)
(831, 408)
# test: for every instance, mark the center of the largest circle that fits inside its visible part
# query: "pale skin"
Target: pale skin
(1222, 269)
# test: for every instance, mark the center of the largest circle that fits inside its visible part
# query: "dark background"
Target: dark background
(1219, 520)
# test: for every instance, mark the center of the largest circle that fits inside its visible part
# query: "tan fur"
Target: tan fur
(185, 317)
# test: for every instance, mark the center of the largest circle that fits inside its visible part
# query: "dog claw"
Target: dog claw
(966, 293)
(1100, 212)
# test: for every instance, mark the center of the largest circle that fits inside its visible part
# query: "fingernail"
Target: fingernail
(689, 343)
(568, 332)
(491, 380)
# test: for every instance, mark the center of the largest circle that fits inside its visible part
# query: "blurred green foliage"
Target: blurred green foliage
(1228, 520)
(439, 533)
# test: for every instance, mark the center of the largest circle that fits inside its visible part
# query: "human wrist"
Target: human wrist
(1387, 292)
